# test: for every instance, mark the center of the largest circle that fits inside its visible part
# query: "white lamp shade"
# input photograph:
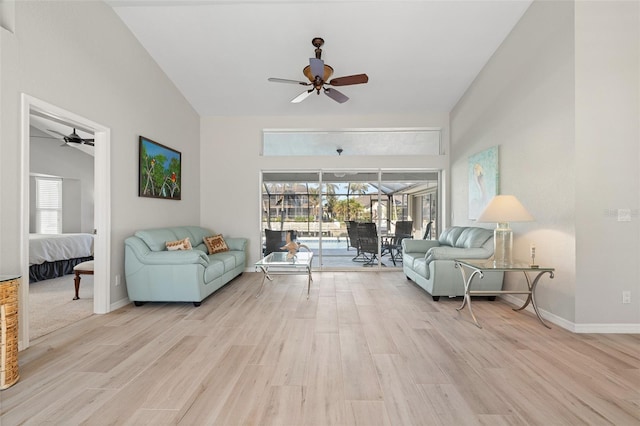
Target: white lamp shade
(504, 209)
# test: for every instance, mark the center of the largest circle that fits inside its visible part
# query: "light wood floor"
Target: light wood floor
(367, 348)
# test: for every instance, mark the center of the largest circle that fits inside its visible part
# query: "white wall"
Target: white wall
(607, 39)
(231, 164)
(541, 102)
(94, 68)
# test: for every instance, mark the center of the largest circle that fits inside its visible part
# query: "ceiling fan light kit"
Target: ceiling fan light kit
(318, 74)
(71, 138)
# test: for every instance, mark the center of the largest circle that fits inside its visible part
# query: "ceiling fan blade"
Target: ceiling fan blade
(301, 97)
(284, 80)
(88, 142)
(317, 67)
(336, 96)
(349, 80)
(44, 137)
(57, 132)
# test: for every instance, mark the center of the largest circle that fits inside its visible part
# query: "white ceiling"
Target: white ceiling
(420, 55)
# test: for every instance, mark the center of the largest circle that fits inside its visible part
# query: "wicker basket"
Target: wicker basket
(9, 332)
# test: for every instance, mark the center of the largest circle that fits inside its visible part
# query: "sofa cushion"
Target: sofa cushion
(231, 258)
(197, 234)
(409, 258)
(215, 270)
(473, 237)
(183, 244)
(157, 238)
(228, 259)
(450, 235)
(215, 244)
(202, 247)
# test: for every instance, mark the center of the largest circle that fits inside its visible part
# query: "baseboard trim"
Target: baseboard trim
(119, 304)
(547, 316)
(608, 328)
(573, 327)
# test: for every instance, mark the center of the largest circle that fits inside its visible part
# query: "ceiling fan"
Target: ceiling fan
(318, 74)
(72, 138)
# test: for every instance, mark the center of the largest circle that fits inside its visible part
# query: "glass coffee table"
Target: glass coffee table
(478, 267)
(277, 263)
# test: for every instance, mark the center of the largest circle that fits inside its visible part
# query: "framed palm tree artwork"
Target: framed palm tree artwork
(160, 171)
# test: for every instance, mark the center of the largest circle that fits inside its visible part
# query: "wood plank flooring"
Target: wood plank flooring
(367, 348)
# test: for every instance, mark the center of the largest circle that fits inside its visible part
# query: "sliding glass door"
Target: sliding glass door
(349, 219)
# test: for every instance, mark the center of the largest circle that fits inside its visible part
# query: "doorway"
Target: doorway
(101, 217)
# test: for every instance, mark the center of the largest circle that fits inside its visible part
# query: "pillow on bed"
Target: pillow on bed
(216, 244)
(183, 244)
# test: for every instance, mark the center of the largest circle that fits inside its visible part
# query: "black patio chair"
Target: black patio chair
(404, 229)
(352, 236)
(427, 232)
(368, 241)
(275, 240)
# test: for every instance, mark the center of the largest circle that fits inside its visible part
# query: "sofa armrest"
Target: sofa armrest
(418, 246)
(178, 257)
(238, 244)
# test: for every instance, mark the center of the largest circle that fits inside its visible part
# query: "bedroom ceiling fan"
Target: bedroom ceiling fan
(318, 74)
(69, 139)
(73, 138)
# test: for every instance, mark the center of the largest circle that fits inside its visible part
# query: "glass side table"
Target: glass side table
(470, 268)
(277, 263)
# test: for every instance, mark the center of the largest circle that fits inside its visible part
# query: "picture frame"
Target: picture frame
(160, 170)
(484, 180)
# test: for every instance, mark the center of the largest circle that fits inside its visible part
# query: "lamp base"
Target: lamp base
(502, 245)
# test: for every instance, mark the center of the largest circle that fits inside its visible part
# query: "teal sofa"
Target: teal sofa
(154, 274)
(430, 263)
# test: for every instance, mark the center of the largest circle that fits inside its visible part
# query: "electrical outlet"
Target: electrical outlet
(626, 297)
(117, 280)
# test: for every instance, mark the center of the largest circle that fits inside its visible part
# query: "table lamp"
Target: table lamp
(503, 209)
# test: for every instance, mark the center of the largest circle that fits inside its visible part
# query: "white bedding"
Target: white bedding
(49, 248)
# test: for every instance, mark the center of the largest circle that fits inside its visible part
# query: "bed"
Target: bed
(52, 256)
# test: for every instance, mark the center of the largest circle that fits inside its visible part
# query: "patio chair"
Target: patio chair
(427, 232)
(275, 240)
(352, 232)
(368, 241)
(404, 229)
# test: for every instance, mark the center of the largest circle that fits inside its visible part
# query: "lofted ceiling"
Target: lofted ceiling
(420, 55)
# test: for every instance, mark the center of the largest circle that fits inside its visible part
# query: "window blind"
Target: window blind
(48, 205)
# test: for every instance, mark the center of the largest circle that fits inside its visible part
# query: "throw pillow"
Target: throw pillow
(183, 244)
(215, 244)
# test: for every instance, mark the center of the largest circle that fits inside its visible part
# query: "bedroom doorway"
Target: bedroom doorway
(41, 120)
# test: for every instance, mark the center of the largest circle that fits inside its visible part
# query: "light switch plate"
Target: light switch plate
(624, 215)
